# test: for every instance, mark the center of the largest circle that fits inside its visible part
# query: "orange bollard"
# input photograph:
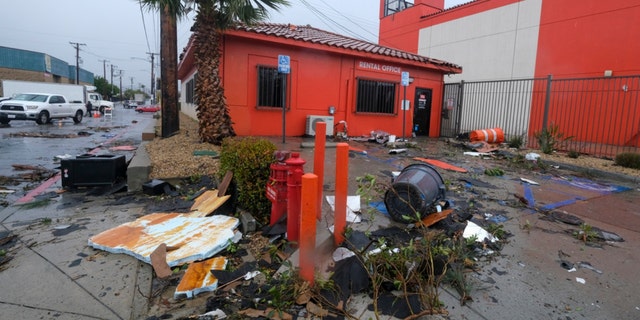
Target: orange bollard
(318, 161)
(295, 171)
(308, 226)
(342, 176)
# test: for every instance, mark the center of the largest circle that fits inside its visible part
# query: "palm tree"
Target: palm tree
(212, 18)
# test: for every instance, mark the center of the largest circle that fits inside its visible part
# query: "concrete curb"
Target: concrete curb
(139, 168)
(596, 172)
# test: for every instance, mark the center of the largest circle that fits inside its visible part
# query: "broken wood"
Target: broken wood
(431, 219)
(224, 185)
(207, 203)
(159, 261)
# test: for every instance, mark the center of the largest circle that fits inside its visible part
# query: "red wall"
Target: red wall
(319, 79)
(583, 38)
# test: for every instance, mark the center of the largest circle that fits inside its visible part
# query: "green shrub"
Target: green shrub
(249, 160)
(573, 154)
(516, 142)
(550, 138)
(628, 159)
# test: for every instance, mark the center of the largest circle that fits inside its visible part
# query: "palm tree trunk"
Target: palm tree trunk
(169, 77)
(212, 109)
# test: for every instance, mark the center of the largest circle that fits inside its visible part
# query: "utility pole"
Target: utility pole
(111, 89)
(153, 77)
(131, 83)
(104, 68)
(77, 46)
(120, 72)
(169, 72)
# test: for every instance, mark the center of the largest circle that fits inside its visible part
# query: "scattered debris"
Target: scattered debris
(159, 261)
(441, 164)
(379, 136)
(477, 183)
(207, 203)
(433, 218)
(156, 187)
(396, 151)
(191, 238)
(587, 265)
(580, 280)
(43, 135)
(529, 181)
(353, 207)
(357, 150)
(480, 234)
(532, 156)
(198, 277)
(62, 157)
(123, 148)
(477, 154)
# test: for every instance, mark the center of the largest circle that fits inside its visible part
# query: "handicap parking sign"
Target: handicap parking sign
(284, 65)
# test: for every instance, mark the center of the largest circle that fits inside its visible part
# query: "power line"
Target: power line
(144, 25)
(342, 15)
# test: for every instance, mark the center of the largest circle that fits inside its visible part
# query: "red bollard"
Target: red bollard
(277, 191)
(342, 176)
(308, 226)
(318, 161)
(294, 185)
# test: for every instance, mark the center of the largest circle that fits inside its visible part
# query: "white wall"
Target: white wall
(187, 108)
(492, 45)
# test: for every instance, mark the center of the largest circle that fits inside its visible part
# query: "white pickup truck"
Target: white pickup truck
(41, 108)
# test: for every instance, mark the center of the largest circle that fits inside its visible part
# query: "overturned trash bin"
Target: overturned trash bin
(414, 193)
(89, 170)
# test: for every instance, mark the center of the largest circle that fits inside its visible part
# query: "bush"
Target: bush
(516, 142)
(550, 138)
(249, 159)
(628, 160)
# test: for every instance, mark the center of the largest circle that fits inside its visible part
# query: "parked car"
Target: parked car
(130, 104)
(41, 108)
(151, 108)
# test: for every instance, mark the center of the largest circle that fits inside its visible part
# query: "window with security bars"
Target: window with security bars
(375, 96)
(271, 86)
(190, 88)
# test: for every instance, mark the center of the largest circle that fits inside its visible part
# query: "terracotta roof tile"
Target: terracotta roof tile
(313, 35)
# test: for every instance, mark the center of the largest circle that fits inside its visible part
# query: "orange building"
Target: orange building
(332, 77)
(514, 39)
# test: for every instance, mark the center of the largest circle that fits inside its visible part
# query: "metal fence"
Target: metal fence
(596, 116)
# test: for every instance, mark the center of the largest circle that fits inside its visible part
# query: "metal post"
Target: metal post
(547, 101)
(284, 105)
(459, 105)
(404, 113)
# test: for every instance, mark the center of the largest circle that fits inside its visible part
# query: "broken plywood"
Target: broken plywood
(191, 238)
(198, 277)
(207, 203)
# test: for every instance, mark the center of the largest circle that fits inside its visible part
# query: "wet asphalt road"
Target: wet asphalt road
(27, 143)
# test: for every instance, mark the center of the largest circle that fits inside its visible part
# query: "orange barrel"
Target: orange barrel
(494, 135)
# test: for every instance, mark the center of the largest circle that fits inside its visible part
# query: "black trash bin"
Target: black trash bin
(414, 193)
(89, 170)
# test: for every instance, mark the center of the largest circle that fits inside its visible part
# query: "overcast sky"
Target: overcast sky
(122, 33)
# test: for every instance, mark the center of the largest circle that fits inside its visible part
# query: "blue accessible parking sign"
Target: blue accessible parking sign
(284, 65)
